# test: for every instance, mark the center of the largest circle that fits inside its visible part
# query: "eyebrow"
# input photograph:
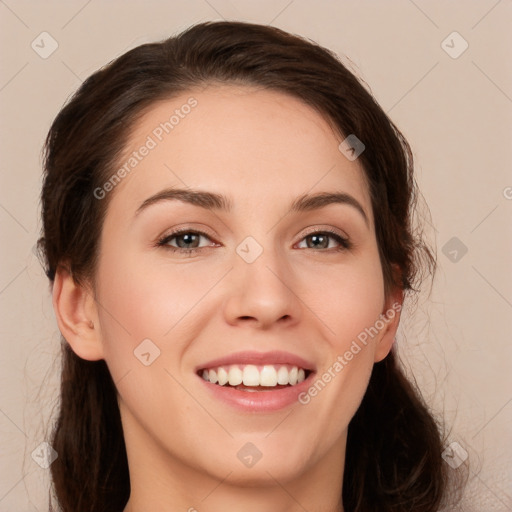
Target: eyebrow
(219, 202)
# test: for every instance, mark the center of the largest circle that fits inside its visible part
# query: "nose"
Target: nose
(262, 293)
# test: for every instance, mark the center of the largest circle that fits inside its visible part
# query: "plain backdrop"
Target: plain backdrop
(441, 70)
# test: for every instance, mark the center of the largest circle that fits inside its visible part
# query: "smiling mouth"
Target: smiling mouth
(249, 377)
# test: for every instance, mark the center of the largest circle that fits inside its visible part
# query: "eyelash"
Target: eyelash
(345, 243)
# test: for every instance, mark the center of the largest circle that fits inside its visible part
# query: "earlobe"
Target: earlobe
(391, 319)
(76, 313)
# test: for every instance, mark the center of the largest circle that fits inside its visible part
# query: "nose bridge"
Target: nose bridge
(262, 285)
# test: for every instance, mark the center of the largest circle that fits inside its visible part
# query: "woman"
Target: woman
(226, 226)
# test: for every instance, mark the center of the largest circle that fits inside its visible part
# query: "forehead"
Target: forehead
(240, 141)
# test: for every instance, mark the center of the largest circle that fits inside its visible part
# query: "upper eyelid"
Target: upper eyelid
(187, 229)
(330, 230)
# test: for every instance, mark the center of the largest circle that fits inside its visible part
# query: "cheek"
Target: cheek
(140, 301)
(349, 303)
(348, 299)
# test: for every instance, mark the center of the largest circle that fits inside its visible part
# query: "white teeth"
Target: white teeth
(235, 376)
(250, 375)
(282, 375)
(222, 375)
(212, 376)
(268, 376)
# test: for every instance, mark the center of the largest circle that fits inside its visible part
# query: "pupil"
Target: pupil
(318, 238)
(188, 239)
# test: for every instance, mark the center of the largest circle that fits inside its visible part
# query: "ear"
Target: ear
(77, 318)
(391, 318)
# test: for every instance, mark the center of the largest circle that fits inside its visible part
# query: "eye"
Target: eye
(323, 239)
(189, 241)
(184, 240)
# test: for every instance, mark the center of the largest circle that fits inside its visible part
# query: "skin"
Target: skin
(262, 149)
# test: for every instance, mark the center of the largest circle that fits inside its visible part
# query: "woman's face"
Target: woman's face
(267, 276)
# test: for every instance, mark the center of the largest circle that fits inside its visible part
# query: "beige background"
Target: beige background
(455, 112)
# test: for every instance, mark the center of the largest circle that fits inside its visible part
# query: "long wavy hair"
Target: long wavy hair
(393, 457)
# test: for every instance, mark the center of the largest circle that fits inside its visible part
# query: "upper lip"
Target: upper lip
(259, 358)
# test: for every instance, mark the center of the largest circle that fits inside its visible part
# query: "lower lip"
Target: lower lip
(258, 401)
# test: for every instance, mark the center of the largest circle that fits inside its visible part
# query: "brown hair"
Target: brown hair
(396, 467)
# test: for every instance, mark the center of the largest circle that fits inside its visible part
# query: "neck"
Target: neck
(220, 495)
(159, 481)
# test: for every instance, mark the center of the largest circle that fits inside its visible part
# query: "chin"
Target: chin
(256, 463)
